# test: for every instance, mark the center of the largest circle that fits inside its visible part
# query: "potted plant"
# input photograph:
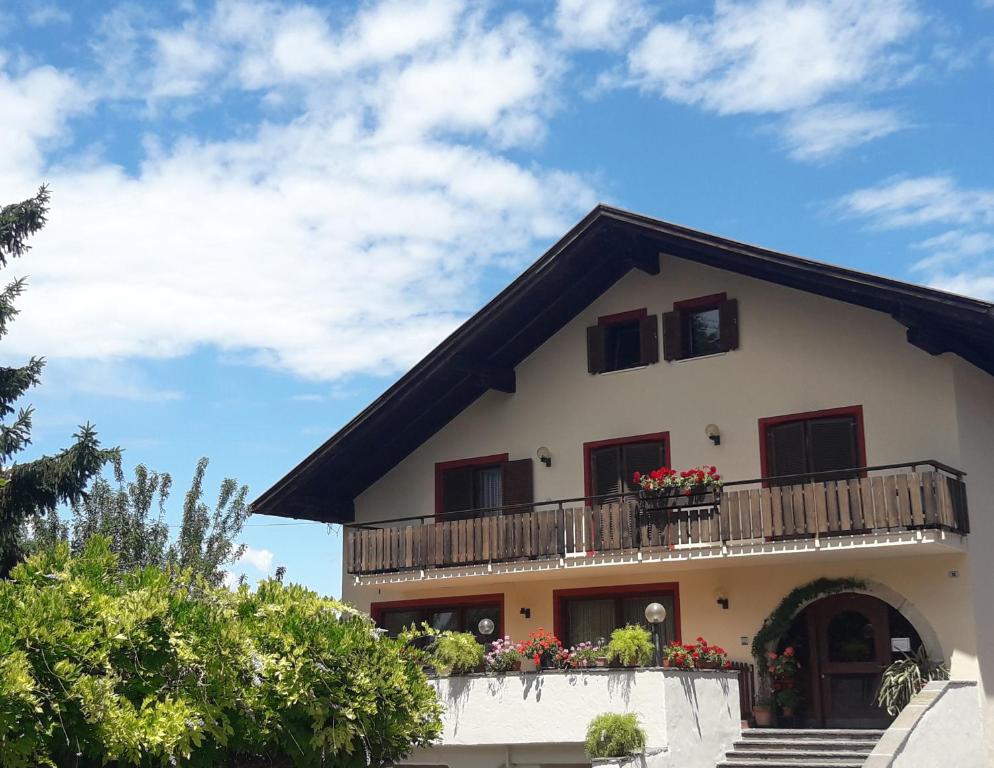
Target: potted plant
(782, 669)
(631, 646)
(538, 650)
(614, 735)
(585, 655)
(502, 657)
(762, 709)
(456, 653)
(708, 656)
(677, 656)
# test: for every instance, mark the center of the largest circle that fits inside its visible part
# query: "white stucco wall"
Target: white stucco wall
(941, 726)
(694, 715)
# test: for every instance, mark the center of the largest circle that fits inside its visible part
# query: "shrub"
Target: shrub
(100, 666)
(614, 735)
(456, 652)
(631, 645)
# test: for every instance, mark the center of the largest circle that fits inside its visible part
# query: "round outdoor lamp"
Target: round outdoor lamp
(655, 614)
(486, 627)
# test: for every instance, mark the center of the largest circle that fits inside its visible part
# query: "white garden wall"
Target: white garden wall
(693, 717)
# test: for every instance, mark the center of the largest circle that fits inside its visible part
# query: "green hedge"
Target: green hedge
(104, 667)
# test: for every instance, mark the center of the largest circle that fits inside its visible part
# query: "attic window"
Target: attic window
(703, 326)
(625, 340)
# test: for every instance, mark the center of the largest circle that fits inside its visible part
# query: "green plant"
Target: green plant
(903, 679)
(631, 646)
(788, 698)
(456, 652)
(614, 735)
(540, 646)
(103, 666)
(678, 655)
(778, 622)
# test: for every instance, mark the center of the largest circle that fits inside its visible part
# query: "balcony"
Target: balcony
(897, 503)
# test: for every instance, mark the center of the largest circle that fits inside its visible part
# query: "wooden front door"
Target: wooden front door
(850, 637)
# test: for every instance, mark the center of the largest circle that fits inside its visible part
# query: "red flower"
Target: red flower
(728, 664)
(537, 659)
(788, 651)
(636, 477)
(773, 656)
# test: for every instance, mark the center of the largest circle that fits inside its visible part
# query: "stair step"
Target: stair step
(791, 763)
(862, 745)
(798, 754)
(811, 733)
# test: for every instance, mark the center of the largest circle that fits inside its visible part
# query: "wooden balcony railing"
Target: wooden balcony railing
(923, 495)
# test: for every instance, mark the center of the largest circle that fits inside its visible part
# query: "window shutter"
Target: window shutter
(649, 340)
(605, 471)
(457, 489)
(785, 450)
(641, 457)
(518, 482)
(597, 348)
(833, 444)
(672, 336)
(728, 325)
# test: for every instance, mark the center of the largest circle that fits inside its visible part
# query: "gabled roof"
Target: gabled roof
(483, 352)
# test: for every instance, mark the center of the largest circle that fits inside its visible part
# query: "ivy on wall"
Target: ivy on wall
(778, 622)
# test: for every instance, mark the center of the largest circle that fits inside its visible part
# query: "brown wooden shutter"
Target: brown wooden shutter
(728, 325)
(457, 489)
(649, 340)
(833, 444)
(641, 457)
(605, 471)
(518, 482)
(672, 336)
(786, 450)
(597, 348)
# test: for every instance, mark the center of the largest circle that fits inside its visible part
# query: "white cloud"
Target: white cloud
(775, 56)
(822, 132)
(606, 24)
(44, 14)
(259, 559)
(36, 106)
(961, 257)
(348, 237)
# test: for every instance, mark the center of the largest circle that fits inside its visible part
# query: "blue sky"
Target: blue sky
(264, 212)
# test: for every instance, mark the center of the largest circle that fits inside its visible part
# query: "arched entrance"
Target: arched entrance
(844, 642)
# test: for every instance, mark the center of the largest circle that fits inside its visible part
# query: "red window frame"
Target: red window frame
(847, 410)
(560, 596)
(593, 445)
(623, 317)
(699, 302)
(476, 461)
(459, 601)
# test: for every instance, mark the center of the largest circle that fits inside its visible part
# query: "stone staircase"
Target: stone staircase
(801, 748)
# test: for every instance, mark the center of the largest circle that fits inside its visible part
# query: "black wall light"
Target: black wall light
(544, 455)
(526, 612)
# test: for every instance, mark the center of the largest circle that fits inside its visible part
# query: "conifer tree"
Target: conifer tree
(36, 487)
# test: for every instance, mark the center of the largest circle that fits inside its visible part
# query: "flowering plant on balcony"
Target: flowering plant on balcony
(678, 655)
(585, 655)
(708, 656)
(502, 657)
(665, 479)
(541, 646)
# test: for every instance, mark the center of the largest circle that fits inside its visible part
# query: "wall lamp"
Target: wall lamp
(721, 598)
(713, 433)
(526, 612)
(544, 455)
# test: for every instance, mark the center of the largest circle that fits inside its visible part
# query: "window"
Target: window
(626, 340)
(587, 615)
(458, 615)
(703, 326)
(610, 464)
(485, 482)
(823, 441)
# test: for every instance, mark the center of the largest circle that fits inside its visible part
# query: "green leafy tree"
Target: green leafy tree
(32, 488)
(103, 665)
(132, 517)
